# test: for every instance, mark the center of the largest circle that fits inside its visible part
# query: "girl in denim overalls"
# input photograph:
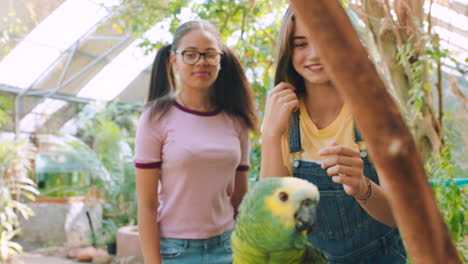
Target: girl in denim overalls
(308, 132)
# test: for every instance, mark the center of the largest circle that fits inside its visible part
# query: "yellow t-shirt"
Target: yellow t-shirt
(313, 139)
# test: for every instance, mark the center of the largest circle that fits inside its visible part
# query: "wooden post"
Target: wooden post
(391, 146)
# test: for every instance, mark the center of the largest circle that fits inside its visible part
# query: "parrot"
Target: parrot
(273, 221)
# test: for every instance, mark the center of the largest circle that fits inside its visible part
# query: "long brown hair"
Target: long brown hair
(285, 71)
(230, 92)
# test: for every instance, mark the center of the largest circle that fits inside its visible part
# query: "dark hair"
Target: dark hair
(162, 84)
(285, 71)
(230, 92)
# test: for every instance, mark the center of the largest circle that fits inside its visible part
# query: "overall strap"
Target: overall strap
(294, 133)
(357, 135)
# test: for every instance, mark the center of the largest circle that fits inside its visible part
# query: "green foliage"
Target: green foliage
(6, 103)
(15, 187)
(441, 167)
(446, 165)
(138, 16)
(415, 100)
(70, 169)
(452, 199)
(109, 129)
(108, 232)
(13, 27)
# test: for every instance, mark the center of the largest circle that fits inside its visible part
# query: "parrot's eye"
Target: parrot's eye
(283, 196)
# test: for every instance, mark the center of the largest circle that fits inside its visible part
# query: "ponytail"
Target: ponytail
(232, 92)
(162, 83)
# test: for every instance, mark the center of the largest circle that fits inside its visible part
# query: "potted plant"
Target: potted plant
(109, 233)
(111, 244)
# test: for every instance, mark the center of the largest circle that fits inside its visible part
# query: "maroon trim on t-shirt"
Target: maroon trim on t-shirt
(243, 168)
(212, 113)
(153, 165)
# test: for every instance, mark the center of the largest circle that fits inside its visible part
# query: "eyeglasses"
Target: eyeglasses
(192, 57)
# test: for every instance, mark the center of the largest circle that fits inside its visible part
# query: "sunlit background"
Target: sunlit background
(74, 75)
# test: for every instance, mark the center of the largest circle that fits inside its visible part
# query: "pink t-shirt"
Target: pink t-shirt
(198, 154)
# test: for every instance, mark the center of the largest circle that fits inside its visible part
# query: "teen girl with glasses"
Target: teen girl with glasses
(192, 149)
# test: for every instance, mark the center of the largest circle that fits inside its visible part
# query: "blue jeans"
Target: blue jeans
(214, 250)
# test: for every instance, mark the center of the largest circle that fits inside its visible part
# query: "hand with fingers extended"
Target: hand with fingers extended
(345, 166)
(281, 102)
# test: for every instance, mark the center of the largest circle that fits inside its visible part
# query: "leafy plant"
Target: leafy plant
(69, 169)
(109, 129)
(452, 201)
(15, 187)
(108, 232)
(5, 106)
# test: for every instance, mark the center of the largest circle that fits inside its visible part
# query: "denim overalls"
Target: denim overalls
(344, 231)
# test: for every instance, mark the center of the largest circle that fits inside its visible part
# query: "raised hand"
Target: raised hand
(345, 166)
(281, 102)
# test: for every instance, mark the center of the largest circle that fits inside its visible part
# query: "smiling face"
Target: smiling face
(200, 75)
(305, 59)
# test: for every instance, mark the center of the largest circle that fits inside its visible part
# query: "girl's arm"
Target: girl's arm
(147, 194)
(281, 102)
(345, 166)
(378, 206)
(240, 188)
(272, 164)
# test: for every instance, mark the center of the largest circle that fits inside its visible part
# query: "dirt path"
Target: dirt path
(32, 258)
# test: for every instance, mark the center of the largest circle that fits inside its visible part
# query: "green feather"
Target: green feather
(260, 237)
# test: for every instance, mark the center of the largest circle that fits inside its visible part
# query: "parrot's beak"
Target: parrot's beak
(305, 216)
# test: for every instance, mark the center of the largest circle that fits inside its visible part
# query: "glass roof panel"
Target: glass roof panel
(55, 34)
(448, 15)
(40, 114)
(123, 69)
(117, 74)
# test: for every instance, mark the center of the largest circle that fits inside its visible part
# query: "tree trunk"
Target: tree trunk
(390, 37)
(390, 143)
